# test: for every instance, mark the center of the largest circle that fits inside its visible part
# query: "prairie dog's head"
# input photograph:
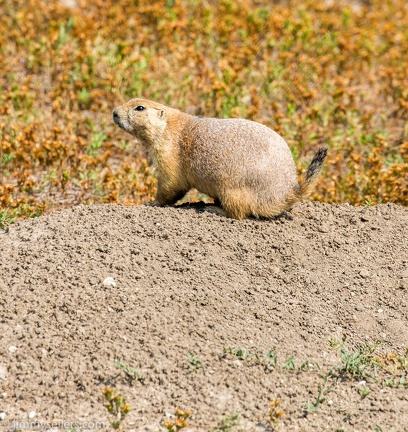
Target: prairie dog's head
(142, 118)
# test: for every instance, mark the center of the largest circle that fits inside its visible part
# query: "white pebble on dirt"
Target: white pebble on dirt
(12, 348)
(109, 281)
(2, 415)
(364, 273)
(31, 414)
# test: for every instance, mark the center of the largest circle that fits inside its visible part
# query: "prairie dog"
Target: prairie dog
(243, 165)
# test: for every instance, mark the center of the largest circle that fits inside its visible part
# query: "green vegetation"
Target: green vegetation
(227, 423)
(359, 362)
(133, 375)
(376, 371)
(194, 361)
(322, 390)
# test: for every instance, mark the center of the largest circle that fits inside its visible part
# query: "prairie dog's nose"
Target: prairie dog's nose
(115, 115)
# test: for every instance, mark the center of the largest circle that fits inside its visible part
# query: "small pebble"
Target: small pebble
(109, 281)
(364, 273)
(31, 414)
(12, 348)
(2, 415)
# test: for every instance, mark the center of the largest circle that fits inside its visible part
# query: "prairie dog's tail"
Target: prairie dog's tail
(312, 173)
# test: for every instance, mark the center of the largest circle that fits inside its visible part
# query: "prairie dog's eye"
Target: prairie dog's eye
(139, 108)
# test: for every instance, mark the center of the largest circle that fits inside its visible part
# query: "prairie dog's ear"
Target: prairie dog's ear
(162, 114)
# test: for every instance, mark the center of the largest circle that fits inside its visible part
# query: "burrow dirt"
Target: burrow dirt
(198, 302)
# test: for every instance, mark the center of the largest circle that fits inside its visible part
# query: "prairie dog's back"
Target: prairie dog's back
(241, 152)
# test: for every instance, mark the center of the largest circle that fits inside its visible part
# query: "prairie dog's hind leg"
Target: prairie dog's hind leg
(237, 203)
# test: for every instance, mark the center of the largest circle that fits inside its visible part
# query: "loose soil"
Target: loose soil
(192, 282)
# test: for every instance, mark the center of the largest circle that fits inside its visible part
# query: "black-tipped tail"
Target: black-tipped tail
(312, 173)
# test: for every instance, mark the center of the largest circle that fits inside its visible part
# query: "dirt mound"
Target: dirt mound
(211, 315)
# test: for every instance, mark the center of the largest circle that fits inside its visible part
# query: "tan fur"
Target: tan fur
(244, 165)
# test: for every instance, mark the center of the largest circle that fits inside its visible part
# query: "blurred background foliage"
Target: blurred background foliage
(315, 71)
